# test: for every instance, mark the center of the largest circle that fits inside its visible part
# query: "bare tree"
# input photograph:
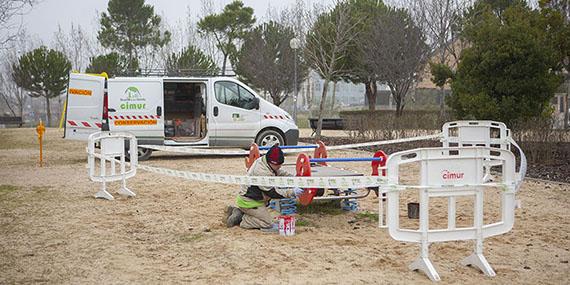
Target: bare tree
(266, 61)
(11, 95)
(396, 50)
(328, 43)
(300, 18)
(440, 21)
(207, 43)
(9, 9)
(75, 45)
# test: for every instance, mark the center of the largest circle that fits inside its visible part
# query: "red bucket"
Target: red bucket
(286, 225)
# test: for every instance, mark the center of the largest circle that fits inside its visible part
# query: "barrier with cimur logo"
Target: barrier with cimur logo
(450, 172)
(482, 133)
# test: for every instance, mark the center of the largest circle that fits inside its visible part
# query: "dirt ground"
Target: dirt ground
(52, 230)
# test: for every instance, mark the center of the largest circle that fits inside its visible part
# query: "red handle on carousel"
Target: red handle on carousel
(253, 155)
(375, 165)
(380, 163)
(303, 168)
(321, 152)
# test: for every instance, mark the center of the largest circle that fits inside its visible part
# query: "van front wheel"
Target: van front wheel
(269, 138)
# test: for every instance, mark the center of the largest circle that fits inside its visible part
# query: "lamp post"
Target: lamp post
(18, 54)
(295, 44)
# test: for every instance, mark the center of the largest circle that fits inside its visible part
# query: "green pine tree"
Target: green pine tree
(44, 73)
(191, 61)
(129, 26)
(508, 73)
(227, 28)
(112, 63)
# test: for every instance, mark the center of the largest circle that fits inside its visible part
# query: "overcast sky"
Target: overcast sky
(43, 19)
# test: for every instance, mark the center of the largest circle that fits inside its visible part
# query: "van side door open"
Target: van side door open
(185, 113)
(136, 106)
(84, 106)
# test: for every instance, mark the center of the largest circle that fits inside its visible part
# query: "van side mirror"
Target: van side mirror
(256, 103)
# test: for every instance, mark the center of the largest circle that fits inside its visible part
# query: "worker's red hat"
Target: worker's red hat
(275, 155)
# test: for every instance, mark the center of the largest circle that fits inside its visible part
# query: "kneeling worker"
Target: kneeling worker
(251, 212)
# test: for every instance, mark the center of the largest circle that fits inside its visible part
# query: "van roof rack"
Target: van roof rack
(173, 73)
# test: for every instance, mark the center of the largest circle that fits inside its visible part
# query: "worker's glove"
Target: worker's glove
(298, 191)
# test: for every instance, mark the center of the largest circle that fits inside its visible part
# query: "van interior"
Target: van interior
(184, 111)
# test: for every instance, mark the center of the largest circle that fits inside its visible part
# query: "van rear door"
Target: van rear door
(136, 105)
(84, 106)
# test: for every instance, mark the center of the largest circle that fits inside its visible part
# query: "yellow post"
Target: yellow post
(63, 114)
(40, 129)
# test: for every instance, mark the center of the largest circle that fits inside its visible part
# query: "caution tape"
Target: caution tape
(342, 182)
(375, 143)
(206, 151)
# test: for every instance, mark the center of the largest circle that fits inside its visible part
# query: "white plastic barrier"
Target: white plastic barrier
(112, 146)
(449, 173)
(480, 133)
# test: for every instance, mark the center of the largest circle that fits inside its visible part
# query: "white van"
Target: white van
(175, 111)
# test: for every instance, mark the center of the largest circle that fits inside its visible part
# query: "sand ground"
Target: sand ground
(52, 230)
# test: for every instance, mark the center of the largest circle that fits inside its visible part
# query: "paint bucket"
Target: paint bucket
(286, 225)
(413, 210)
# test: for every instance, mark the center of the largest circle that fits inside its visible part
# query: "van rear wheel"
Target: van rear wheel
(144, 153)
(269, 138)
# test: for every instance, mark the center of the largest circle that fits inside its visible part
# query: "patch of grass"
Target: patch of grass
(29, 194)
(367, 216)
(325, 207)
(41, 189)
(304, 223)
(303, 120)
(192, 237)
(5, 189)
(18, 139)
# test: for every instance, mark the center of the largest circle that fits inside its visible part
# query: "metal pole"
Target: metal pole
(295, 98)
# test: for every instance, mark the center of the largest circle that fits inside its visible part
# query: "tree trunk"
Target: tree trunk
(566, 106)
(22, 101)
(371, 94)
(224, 65)
(321, 108)
(442, 61)
(398, 108)
(59, 108)
(333, 96)
(310, 94)
(442, 103)
(398, 99)
(275, 98)
(48, 112)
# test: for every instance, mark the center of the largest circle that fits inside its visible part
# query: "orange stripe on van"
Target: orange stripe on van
(83, 92)
(135, 122)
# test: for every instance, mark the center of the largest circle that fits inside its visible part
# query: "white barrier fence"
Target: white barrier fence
(450, 173)
(460, 168)
(112, 145)
(482, 133)
(489, 134)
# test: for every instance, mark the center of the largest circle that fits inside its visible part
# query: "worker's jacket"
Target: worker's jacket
(263, 193)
